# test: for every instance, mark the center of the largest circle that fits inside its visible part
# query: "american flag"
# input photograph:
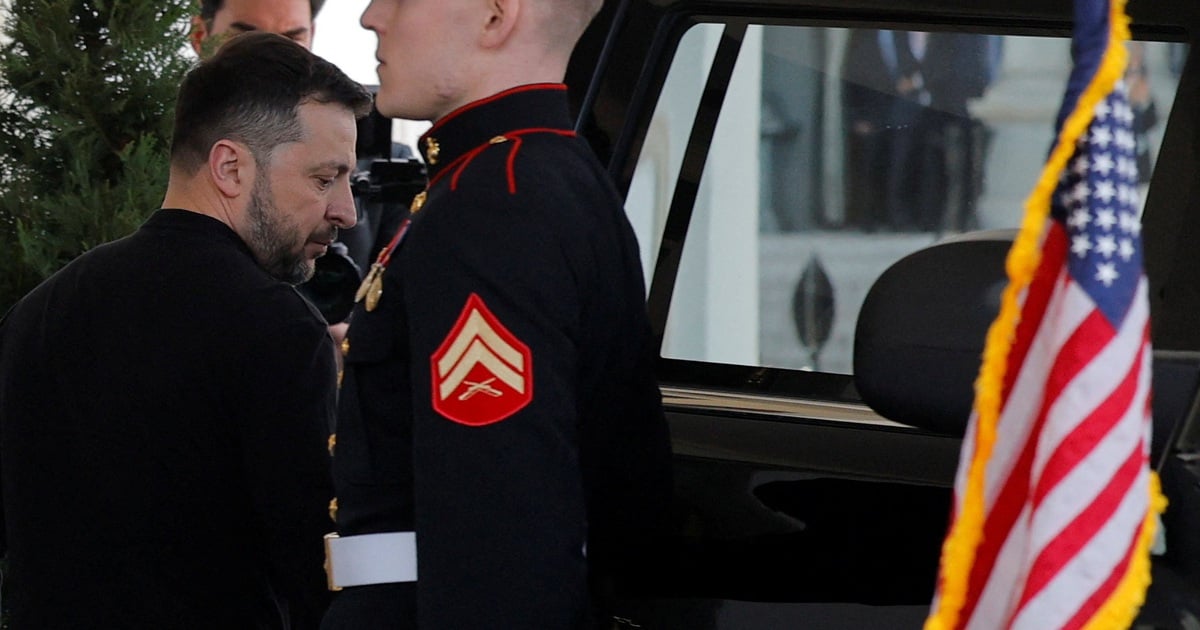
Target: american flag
(1055, 503)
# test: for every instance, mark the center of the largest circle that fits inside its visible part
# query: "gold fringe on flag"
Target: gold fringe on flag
(958, 550)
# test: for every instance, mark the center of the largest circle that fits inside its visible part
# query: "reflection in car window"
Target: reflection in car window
(839, 151)
(662, 152)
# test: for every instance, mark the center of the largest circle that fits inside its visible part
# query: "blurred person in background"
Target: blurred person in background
(293, 19)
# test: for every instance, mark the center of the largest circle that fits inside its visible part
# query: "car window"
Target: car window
(838, 151)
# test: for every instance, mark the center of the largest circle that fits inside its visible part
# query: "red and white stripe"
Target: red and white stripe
(1076, 408)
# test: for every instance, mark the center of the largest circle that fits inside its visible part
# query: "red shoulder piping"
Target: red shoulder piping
(460, 163)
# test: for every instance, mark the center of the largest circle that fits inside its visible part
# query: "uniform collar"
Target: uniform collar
(537, 105)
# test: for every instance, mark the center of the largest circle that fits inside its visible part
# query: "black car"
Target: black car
(824, 232)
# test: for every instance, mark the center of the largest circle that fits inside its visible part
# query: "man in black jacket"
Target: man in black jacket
(165, 398)
(501, 440)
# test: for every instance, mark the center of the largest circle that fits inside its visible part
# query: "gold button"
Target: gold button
(432, 150)
(498, 140)
(333, 510)
(345, 347)
(332, 442)
(417, 203)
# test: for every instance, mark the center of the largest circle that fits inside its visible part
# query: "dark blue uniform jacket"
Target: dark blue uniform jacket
(500, 398)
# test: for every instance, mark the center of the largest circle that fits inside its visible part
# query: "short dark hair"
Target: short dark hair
(249, 91)
(209, 8)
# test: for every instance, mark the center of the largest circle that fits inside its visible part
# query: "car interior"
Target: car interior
(821, 301)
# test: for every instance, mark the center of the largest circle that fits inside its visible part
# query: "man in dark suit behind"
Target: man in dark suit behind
(868, 99)
(904, 107)
(165, 398)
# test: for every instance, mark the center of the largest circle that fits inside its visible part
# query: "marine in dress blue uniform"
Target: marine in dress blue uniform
(498, 396)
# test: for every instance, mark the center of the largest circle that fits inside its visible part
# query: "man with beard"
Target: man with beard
(165, 398)
(218, 20)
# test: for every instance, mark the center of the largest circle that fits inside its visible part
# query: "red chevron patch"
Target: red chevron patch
(481, 373)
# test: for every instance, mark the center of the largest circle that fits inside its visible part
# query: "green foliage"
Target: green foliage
(87, 91)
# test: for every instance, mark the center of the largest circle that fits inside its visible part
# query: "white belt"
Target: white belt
(370, 559)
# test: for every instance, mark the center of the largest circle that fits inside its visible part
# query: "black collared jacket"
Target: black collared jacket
(164, 408)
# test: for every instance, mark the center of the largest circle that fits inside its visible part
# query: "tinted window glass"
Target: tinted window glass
(837, 152)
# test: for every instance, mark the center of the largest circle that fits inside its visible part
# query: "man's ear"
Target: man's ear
(198, 33)
(501, 19)
(231, 168)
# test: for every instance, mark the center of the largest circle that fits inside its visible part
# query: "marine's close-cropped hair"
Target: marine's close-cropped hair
(249, 92)
(564, 21)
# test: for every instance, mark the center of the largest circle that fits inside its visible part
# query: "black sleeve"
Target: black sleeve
(285, 397)
(500, 513)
